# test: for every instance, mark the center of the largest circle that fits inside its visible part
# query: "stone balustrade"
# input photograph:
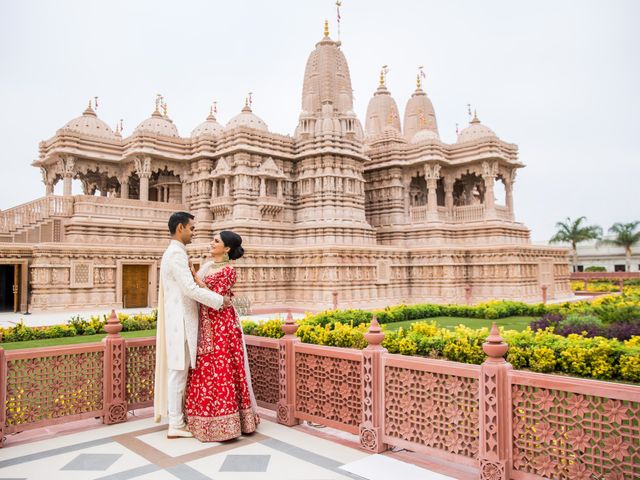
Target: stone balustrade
(500, 422)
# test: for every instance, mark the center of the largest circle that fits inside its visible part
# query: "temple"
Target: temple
(377, 216)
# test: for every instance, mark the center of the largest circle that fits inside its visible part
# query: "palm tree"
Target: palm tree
(625, 237)
(574, 232)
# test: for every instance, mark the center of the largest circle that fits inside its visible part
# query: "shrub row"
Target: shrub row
(77, 326)
(541, 351)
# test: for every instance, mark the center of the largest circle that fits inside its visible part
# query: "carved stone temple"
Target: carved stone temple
(383, 215)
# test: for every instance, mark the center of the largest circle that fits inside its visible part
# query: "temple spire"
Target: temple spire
(326, 28)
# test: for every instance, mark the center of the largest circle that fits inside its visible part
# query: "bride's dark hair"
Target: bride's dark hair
(234, 242)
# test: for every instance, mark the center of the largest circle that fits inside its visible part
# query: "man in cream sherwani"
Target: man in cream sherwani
(177, 329)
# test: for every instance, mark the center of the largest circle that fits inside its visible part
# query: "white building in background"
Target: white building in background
(590, 254)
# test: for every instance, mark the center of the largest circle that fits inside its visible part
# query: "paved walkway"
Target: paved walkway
(139, 449)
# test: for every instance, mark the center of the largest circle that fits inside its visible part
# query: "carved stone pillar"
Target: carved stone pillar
(144, 188)
(49, 188)
(115, 403)
(372, 389)
(495, 451)
(407, 198)
(280, 194)
(67, 185)
(509, 193)
(286, 374)
(432, 174)
(124, 188)
(67, 167)
(489, 175)
(143, 169)
(3, 395)
(263, 187)
(448, 195)
(226, 187)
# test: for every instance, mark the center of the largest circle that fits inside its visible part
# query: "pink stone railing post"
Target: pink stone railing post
(3, 395)
(544, 293)
(335, 299)
(115, 405)
(372, 389)
(287, 373)
(495, 410)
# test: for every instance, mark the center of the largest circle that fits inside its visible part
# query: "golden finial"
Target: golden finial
(383, 75)
(158, 101)
(164, 108)
(326, 28)
(418, 81)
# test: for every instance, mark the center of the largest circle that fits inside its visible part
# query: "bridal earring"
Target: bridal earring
(225, 257)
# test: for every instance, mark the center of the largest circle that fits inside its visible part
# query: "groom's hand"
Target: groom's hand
(227, 301)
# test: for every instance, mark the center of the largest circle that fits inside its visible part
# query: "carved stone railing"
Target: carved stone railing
(418, 214)
(34, 212)
(468, 213)
(503, 213)
(500, 422)
(87, 205)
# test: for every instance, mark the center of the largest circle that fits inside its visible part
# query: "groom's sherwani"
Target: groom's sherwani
(177, 330)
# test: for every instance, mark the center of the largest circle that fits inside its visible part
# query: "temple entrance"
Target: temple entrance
(9, 288)
(135, 286)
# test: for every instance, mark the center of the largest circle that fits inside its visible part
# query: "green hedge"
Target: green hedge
(77, 325)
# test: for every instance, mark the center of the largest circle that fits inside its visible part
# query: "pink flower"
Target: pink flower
(579, 439)
(452, 412)
(616, 411)
(545, 432)
(578, 405)
(615, 475)
(544, 399)
(579, 471)
(616, 448)
(430, 436)
(454, 442)
(429, 407)
(545, 466)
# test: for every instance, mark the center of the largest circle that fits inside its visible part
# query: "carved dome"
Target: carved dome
(419, 114)
(475, 131)
(209, 127)
(424, 136)
(158, 124)
(382, 113)
(90, 124)
(246, 118)
(326, 78)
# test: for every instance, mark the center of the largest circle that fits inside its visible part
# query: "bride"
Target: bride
(220, 404)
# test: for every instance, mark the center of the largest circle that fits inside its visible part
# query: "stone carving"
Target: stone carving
(143, 166)
(558, 434)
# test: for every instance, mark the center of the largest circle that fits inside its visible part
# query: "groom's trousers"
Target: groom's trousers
(175, 393)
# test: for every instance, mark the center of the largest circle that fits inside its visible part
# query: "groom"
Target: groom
(177, 329)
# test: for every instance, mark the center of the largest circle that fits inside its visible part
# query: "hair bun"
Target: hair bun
(236, 253)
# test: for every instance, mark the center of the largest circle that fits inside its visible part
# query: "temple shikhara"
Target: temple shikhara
(382, 215)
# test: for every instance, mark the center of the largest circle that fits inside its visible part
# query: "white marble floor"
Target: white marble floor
(140, 450)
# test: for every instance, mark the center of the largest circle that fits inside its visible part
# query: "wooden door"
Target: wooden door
(135, 286)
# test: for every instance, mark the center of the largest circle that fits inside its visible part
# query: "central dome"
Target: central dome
(326, 78)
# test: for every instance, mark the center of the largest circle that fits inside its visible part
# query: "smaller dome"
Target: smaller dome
(158, 124)
(424, 135)
(90, 124)
(246, 118)
(209, 127)
(475, 131)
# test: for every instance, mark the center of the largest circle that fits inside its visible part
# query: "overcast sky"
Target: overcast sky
(559, 78)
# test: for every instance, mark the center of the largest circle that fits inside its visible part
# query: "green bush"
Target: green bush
(77, 326)
(595, 269)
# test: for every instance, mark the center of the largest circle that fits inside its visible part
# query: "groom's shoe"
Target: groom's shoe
(179, 433)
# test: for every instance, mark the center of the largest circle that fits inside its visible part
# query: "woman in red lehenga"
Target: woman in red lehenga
(220, 404)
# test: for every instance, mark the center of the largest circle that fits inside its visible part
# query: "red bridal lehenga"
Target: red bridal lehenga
(220, 404)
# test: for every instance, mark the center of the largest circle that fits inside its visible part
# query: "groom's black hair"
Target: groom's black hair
(179, 218)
